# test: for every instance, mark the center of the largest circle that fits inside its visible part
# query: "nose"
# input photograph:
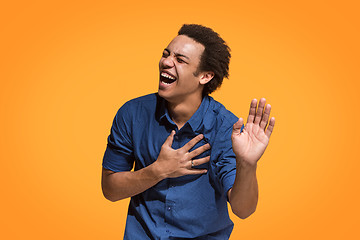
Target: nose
(168, 61)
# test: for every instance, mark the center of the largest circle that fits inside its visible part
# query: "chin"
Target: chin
(167, 96)
(163, 94)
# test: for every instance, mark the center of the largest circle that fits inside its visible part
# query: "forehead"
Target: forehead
(187, 46)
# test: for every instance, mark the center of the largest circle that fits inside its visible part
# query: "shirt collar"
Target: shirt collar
(195, 120)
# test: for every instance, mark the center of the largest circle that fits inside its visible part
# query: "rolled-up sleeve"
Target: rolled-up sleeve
(226, 164)
(119, 155)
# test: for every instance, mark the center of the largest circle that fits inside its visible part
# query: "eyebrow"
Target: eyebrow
(177, 54)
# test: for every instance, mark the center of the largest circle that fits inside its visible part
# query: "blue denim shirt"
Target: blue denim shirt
(191, 206)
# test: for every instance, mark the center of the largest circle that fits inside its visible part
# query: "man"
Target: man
(191, 155)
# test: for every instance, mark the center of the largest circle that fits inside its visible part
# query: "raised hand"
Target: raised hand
(175, 163)
(250, 144)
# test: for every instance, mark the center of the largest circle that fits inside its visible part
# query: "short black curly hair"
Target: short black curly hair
(216, 56)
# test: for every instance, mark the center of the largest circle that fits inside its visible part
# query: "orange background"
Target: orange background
(67, 66)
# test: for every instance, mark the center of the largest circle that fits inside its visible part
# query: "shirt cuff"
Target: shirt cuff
(117, 162)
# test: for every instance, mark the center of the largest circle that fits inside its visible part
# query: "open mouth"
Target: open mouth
(167, 78)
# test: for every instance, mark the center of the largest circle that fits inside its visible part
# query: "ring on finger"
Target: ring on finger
(192, 163)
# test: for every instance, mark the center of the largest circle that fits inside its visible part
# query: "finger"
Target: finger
(192, 143)
(237, 127)
(270, 127)
(252, 111)
(259, 111)
(169, 139)
(265, 117)
(200, 161)
(194, 171)
(199, 151)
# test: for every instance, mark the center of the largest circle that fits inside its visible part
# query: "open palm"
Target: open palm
(250, 144)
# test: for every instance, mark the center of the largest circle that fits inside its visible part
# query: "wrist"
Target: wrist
(156, 171)
(245, 171)
(245, 165)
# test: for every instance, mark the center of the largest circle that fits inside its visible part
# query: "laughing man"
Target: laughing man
(191, 155)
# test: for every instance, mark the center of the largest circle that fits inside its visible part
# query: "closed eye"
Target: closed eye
(180, 60)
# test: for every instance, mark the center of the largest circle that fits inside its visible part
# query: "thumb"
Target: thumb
(238, 126)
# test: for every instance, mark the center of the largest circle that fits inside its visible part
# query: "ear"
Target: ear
(206, 77)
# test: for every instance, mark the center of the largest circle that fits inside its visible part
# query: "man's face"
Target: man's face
(178, 65)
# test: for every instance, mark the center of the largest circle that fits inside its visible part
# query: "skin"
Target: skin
(248, 146)
(183, 97)
(181, 59)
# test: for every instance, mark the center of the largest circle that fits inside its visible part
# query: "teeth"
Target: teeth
(167, 76)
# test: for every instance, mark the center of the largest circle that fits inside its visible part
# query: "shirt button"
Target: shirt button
(168, 208)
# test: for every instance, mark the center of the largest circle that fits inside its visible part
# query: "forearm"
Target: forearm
(120, 185)
(243, 196)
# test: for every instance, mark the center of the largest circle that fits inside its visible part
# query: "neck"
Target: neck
(181, 112)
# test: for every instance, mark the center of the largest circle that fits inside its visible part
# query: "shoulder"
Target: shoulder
(146, 100)
(223, 116)
(138, 107)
